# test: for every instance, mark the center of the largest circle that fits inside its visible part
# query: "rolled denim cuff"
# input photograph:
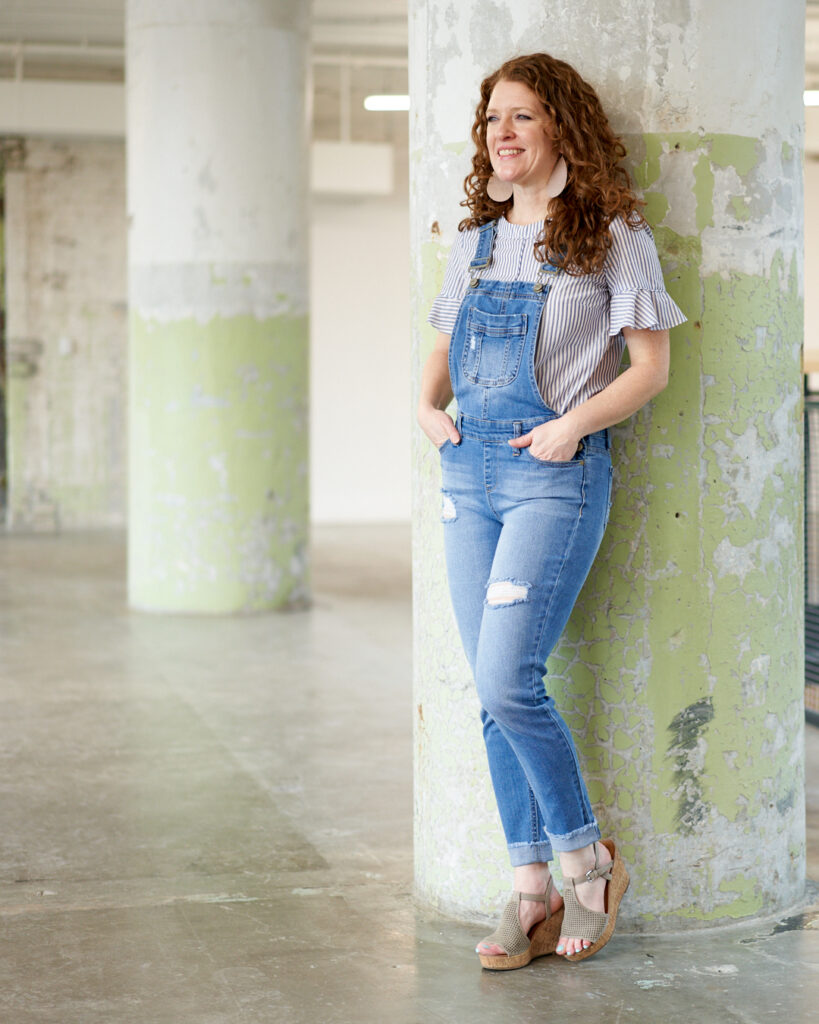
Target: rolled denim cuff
(529, 853)
(576, 840)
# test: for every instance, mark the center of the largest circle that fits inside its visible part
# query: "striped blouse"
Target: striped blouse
(580, 343)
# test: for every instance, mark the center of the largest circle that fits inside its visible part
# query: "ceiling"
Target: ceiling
(358, 24)
(359, 47)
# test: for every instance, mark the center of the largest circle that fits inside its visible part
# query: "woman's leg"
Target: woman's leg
(536, 577)
(470, 542)
(548, 540)
(544, 552)
(471, 533)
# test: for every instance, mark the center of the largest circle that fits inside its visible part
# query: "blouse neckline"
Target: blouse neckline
(520, 230)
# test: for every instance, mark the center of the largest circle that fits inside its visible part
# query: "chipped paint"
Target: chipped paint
(218, 450)
(687, 748)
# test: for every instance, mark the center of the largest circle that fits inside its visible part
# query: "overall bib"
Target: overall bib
(520, 537)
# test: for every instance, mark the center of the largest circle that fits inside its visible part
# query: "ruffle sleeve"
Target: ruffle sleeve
(444, 309)
(635, 282)
(645, 309)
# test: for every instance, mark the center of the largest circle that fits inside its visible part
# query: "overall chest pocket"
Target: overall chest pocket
(493, 347)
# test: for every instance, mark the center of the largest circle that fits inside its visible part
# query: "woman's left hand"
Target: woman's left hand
(553, 441)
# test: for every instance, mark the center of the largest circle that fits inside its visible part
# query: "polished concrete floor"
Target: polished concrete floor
(210, 821)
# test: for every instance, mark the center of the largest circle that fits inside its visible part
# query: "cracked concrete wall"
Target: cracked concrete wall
(217, 198)
(66, 312)
(681, 671)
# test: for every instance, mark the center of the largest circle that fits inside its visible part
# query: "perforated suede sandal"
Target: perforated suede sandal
(520, 947)
(580, 922)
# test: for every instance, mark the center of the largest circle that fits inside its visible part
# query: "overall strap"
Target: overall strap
(550, 268)
(542, 283)
(486, 240)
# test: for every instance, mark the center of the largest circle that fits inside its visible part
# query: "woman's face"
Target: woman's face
(519, 135)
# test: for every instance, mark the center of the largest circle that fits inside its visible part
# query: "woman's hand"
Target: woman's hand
(436, 394)
(557, 440)
(553, 441)
(437, 425)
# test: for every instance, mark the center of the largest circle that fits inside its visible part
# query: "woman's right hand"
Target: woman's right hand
(437, 425)
(436, 394)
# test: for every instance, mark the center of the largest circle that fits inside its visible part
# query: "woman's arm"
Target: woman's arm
(436, 394)
(557, 440)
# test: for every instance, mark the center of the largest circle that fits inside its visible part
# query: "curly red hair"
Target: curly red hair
(576, 236)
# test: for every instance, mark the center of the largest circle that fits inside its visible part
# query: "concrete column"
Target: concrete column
(681, 673)
(217, 197)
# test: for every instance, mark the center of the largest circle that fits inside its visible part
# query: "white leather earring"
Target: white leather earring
(557, 179)
(497, 190)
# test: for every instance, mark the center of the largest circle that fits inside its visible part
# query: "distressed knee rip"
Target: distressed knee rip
(448, 511)
(506, 592)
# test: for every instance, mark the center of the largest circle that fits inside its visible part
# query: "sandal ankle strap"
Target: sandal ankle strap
(596, 871)
(593, 873)
(537, 897)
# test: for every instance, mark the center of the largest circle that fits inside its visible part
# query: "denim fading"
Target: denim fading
(520, 537)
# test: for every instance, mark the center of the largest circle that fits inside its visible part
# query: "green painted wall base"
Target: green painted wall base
(218, 506)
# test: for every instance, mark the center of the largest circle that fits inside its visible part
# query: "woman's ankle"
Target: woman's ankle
(532, 878)
(575, 863)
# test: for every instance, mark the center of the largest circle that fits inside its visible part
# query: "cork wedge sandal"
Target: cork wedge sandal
(582, 923)
(521, 948)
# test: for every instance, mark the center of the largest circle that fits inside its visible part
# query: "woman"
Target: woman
(553, 273)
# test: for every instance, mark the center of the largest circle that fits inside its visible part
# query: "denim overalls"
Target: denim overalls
(520, 537)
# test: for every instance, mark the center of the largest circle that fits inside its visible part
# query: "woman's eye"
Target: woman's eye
(491, 117)
(524, 117)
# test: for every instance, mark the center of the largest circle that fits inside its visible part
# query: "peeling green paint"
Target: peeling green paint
(219, 452)
(656, 207)
(694, 601)
(746, 904)
(738, 151)
(741, 207)
(742, 152)
(704, 191)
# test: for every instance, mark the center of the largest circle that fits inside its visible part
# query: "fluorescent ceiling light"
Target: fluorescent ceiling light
(811, 97)
(386, 103)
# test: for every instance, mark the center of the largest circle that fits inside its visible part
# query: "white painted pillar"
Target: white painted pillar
(681, 673)
(217, 200)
